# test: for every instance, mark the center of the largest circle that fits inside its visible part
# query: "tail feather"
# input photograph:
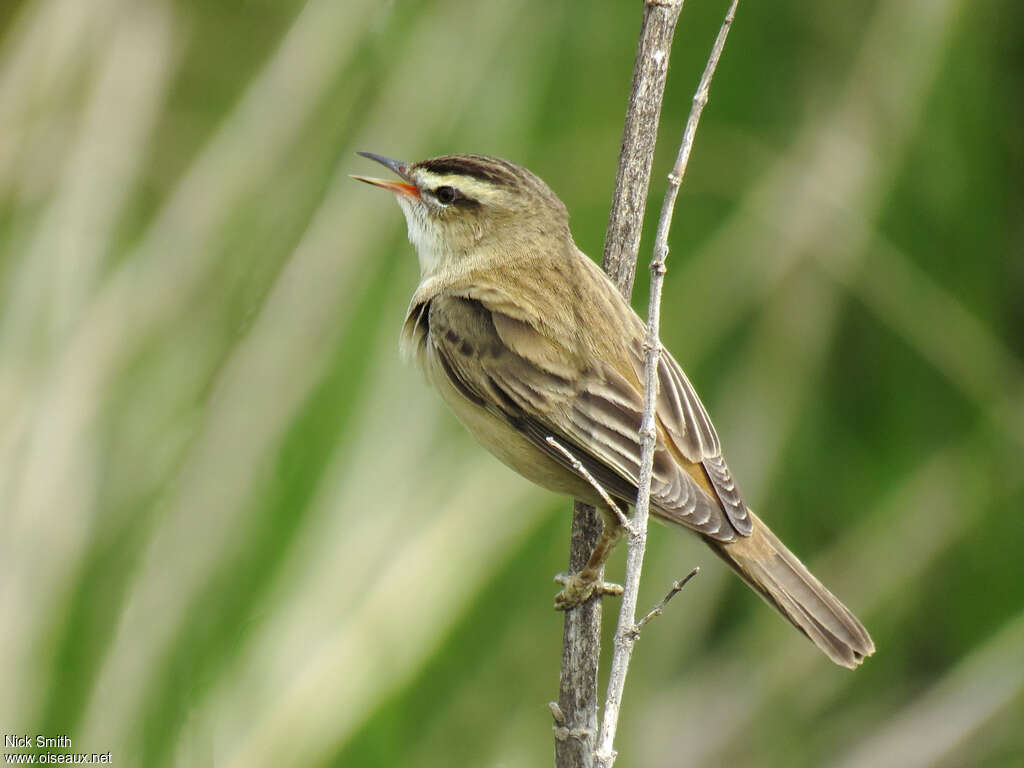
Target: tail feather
(782, 580)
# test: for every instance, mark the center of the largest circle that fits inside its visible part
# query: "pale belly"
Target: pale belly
(508, 445)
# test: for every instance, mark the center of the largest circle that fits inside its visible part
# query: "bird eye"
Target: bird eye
(446, 195)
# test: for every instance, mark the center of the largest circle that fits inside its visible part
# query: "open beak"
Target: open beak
(398, 187)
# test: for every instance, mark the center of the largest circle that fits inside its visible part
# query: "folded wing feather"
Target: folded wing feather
(509, 367)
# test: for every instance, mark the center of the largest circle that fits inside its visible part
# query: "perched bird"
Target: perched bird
(526, 338)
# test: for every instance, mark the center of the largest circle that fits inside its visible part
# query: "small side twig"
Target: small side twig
(626, 632)
(585, 473)
(677, 587)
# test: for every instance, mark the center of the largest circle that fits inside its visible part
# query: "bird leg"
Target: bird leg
(581, 586)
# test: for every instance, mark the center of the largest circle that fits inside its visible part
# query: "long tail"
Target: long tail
(782, 580)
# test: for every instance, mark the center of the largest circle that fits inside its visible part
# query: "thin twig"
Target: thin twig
(677, 587)
(625, 635)
(585, 473)
(581, 636)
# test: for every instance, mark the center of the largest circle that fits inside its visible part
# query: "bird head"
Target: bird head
(472, 207)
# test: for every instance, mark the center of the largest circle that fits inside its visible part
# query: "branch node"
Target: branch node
(572, 734)
(556, 713)
(625, 637)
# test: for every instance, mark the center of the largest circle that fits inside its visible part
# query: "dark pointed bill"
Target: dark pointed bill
(395, 165)
(398, 187)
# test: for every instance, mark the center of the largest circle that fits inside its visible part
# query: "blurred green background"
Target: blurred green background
(236, 531)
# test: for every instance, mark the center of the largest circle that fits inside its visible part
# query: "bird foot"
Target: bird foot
(579, 588)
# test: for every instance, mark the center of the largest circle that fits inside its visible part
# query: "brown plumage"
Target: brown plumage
(526, 338)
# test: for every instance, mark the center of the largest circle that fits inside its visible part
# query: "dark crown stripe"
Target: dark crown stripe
(475, 166)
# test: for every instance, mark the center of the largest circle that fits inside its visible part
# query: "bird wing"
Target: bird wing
(686, 421)
(542, 388)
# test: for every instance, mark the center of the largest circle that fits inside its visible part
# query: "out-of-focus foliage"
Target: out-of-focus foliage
(236, 531)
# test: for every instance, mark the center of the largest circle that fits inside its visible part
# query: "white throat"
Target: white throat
(424, 237)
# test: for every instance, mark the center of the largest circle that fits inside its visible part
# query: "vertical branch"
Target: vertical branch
(639, 135)
(627, 630)
(576, 711)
